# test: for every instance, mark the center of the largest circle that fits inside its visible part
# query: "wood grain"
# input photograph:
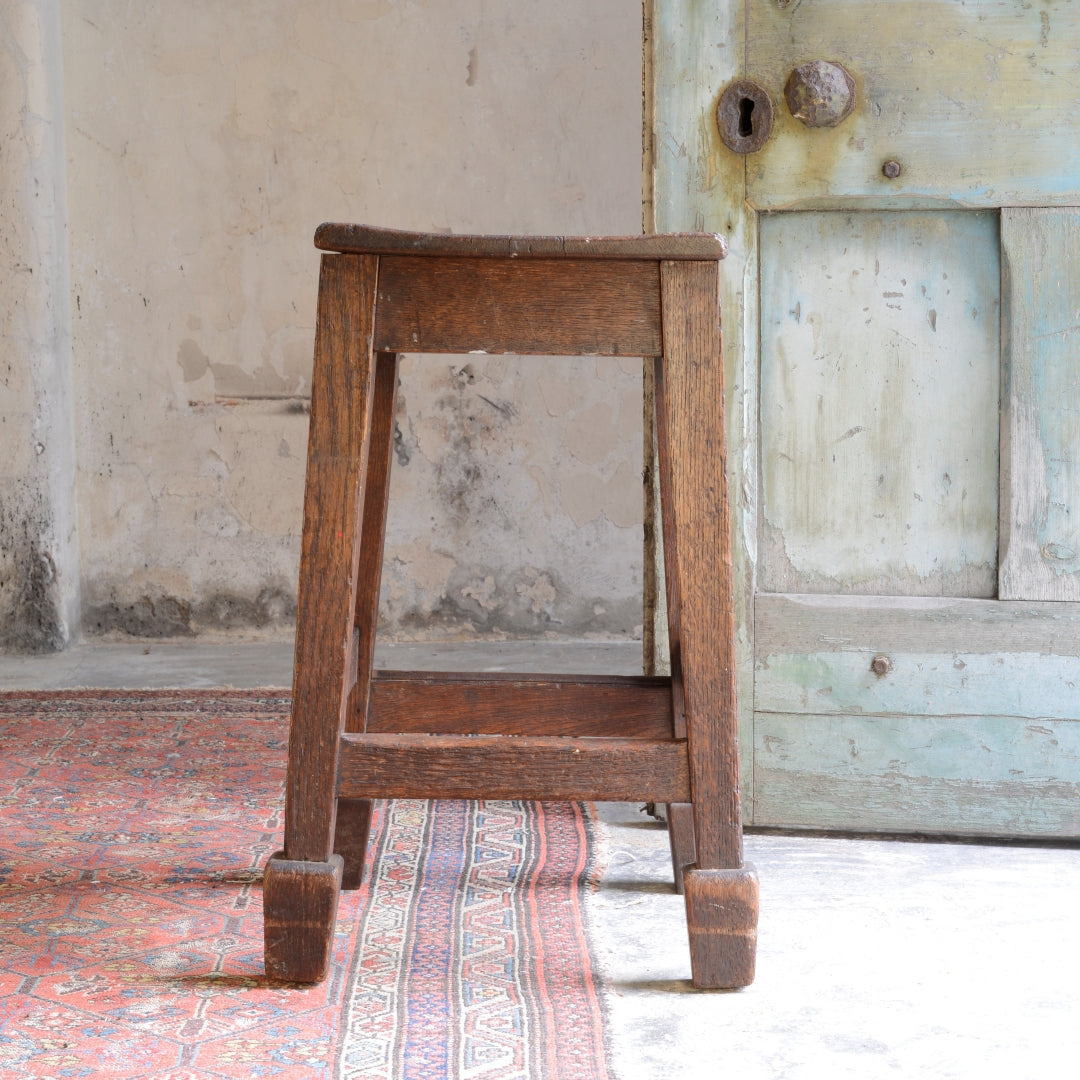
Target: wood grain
(680, 823)
(1040, 424)
(376, 499)
(370, 240)
(352, 828)
(299, 908)
(623, 706)
(353, 819)
(513, 767)
(693, 403)
(545, 306)
(721, 919)
(341, 401)
(669, 541)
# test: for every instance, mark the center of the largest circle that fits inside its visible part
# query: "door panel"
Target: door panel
(1040, 550)
(879, 402)
(969, 97)
(972, 726)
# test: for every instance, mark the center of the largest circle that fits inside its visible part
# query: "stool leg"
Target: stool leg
(680, 823)
(354, 815)
(721, 894)
(300, 886)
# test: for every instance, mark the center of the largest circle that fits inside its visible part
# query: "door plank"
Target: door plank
(980, 775)
(698, 48)
(1040, 427)
(971, 99)
(973, 726)
(879, 403)
(945, 658)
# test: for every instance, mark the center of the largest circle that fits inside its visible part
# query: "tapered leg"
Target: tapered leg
(354, 815)
(721, 895)
(301, 886)
(680, 823)
(351, 839)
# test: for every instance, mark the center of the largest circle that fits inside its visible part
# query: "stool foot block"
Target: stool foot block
(299, 908)
(721, 919)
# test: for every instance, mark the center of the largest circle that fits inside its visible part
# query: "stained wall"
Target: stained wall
(204, 143)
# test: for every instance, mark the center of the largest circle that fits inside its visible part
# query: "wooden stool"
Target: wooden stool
(359, 734)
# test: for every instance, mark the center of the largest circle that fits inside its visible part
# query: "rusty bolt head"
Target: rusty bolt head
(881, 665)
(891, 169)
(820, 94)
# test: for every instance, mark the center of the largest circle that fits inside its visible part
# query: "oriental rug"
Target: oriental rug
(134, 826)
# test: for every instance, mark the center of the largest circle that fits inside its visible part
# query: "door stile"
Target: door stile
(696, 49)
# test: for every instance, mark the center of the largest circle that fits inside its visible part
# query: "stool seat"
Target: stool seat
(359, 735)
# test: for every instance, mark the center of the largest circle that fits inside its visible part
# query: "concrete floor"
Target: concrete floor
(875, 958)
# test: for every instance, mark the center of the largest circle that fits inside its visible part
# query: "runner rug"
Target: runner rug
(133, 829)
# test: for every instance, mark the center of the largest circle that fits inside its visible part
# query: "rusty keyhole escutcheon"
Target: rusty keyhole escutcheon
(744, 116)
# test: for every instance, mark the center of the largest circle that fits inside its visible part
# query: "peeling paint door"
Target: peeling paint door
(902, 317)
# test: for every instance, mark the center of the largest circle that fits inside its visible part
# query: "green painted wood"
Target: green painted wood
(978, 775)
(1040, 517)
(921, 683)
(975, 100)
(973, 726)
(944, 658)
(879, 402)
(696, 48)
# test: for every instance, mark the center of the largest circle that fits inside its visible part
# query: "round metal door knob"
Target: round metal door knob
(820, 94)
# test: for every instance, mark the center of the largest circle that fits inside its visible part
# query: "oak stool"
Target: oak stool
(359, 734)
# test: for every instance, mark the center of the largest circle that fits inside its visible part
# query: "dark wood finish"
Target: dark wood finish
(670, 542)
(680, 816)
(354, 815)
(342, 389)
(358, 735)
(680, 823)
(351, 839)
(620, 706)
(548, 306)
(700, 527)
(299, 908)
(519, 767)
(721, 921)
(370, 240)
(376, 499)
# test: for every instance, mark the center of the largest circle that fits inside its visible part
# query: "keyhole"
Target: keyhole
(746, 118)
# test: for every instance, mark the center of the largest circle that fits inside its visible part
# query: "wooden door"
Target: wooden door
(902, 337)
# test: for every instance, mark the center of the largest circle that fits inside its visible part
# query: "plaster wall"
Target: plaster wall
(39, 568)
(205, 142)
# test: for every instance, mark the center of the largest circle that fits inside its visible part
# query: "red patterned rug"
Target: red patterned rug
(133, 829)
